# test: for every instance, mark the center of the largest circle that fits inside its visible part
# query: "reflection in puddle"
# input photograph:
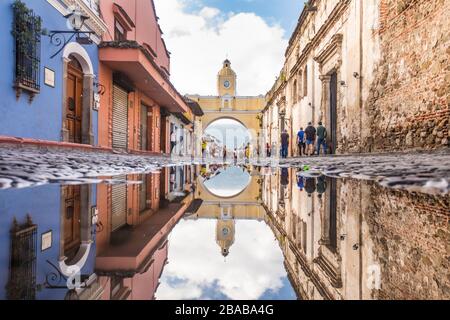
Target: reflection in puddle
(214, 232)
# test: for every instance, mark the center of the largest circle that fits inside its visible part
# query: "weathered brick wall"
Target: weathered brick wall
(409, 102)
(411, 238)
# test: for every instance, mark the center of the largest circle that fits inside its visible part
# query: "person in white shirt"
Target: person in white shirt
(173, 141)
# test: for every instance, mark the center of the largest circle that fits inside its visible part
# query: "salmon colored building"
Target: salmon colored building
(132, 247)
(134, 73)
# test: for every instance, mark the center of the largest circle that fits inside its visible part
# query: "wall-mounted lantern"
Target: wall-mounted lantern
(77, 21)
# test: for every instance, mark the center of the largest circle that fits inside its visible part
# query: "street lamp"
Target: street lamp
(77, 21)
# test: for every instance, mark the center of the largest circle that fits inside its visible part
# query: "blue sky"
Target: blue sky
(283, 12)
(253, 34)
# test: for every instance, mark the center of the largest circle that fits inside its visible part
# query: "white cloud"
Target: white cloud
(200, 41)
(255, 263)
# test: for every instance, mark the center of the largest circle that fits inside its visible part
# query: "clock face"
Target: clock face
(227, 84)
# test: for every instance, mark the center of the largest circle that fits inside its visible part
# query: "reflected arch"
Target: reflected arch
(230, 188)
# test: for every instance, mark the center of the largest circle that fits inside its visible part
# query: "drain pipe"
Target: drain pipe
(361, 57)
(361, 79)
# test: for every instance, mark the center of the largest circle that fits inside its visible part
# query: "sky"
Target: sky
(229, 182)
(230, 132)
(253, 270)
(201, 34)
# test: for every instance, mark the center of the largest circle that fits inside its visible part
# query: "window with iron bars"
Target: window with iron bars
(27, 34)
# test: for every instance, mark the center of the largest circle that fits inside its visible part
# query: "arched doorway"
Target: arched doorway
(74, 101)
(75, 239)
(78, 95)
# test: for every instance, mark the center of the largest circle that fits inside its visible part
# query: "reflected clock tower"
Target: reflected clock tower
(225, 231)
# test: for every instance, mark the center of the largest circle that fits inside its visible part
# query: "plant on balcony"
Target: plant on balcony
(26, 30)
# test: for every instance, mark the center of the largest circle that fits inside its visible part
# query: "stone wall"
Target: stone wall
(411, 242)
(409, 101)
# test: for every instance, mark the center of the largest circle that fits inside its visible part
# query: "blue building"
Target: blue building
(48, 85)
(47, 235)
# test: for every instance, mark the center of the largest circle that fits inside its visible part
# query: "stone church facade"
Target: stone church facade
(375, 72)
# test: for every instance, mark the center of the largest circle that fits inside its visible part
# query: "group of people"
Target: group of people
(311, 185)
(309, 141)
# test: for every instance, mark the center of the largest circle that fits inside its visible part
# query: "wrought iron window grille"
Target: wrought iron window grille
(27, 35)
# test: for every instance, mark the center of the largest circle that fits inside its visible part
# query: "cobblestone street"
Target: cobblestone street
(428, 173)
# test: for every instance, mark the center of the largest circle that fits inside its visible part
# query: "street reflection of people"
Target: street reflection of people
(321, 186)
(247, 152)
(268, 150)
(300, 183)
(310, 186)
(203, 171)
(173, 141)
(204, 146)
(284, 176)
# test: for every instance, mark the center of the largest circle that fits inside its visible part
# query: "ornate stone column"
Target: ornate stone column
(87, 136)
(325, 101)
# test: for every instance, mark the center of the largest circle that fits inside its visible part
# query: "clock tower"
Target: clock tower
(226, 80)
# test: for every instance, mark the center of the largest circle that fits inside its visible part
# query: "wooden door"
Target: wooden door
(164, 135)
(72, 220)
(147, 137)
(74, 101)
(333, 112)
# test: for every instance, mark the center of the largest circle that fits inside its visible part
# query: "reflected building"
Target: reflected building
(86, 242)
(227, 194)
(133, 246)
(48, 246)
(347, 239)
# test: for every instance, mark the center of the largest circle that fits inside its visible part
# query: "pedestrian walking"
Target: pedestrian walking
(224, 154)
(173, 141)
(235, 155)
(204, 146)
(301, 142)
(268, 150)
(321, 138)
(284, 144)
(310, 133)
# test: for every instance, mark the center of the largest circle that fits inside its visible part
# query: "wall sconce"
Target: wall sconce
(101, 89)
(356, 246)
(356, 75)
(343, 83)
(77, 21)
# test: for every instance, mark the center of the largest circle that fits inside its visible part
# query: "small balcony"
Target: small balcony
(138, 65)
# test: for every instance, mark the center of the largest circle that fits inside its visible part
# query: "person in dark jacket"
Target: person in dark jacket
(321, 187)
(310, 186)
(284, 144)
(310, 133)
(321, 138)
